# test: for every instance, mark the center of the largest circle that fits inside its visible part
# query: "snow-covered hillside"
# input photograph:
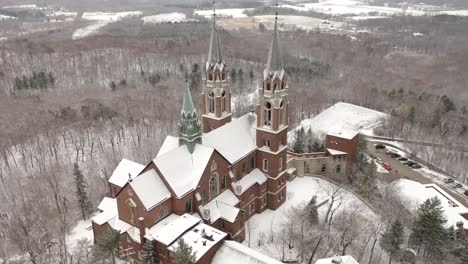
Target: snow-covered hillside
(102, 19)
(229, 12)
(165, 18)
(343, 117)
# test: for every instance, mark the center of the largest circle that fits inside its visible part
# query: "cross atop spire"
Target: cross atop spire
(215, 54)
(274, 56)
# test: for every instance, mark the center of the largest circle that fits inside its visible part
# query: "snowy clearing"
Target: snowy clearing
(165, 18)
(229, 12)
(82, 230)
(89, 30)
(412, 194)
(4, 17)
(101, 16)
(343, 117)
(299, 193)
(32, 7)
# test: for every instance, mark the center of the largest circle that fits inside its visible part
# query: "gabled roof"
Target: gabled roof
(150, 189)
(120, 175)
(255, 176)
(234, 140)
(182, 170)
(232, 252)
(223, 206)
(169, 144)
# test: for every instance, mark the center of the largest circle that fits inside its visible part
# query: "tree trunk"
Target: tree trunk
(315, 250)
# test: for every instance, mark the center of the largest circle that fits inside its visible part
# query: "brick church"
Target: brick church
(207, 181)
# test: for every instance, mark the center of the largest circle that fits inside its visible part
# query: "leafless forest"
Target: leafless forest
(119, 94)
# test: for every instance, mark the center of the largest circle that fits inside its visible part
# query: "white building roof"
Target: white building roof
(120, 175)
(234, 140)
(232, 252)
(334, 152)
(159, 225)
(183, 170)
(201, 238)
(110, 215)
(150, 189)
(173, 230)
(255, 176)
(344, 260)
(347, 133)
(223, 206)
(169, 144)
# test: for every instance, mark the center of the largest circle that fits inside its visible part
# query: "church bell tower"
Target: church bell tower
(216, 95)
(272, 124)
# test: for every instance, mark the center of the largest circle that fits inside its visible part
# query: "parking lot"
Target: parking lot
(399, 170)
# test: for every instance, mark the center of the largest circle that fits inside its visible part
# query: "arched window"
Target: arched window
(213, 186)
(211, 102)
(210, 76)
(223, 101)
(267, 114)
(268, 87)
(282, 113)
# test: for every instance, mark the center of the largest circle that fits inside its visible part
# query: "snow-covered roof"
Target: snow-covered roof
(169, 144)
(110, 215)
(173, 230)
(232, 252)
(120, 175)
(255, 176)
(344, 260)
(223, 206)
(234, 140)
(150, 189)
(183, 170)
(334, 152)
(159, 225)
(340, 117)
(201, 238)
(413, 194)
(344, 133)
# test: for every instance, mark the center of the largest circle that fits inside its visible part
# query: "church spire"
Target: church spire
(274, 56)
(215, 53)
(190, 132)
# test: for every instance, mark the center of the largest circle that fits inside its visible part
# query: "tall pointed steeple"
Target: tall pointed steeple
(215, 53)
(274, 56)
(190, 130)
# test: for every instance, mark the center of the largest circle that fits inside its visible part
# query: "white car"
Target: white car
(379, 161)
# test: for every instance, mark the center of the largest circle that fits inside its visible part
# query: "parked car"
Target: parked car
(449, 180)
(466, 192)
(387, 166)
(395, 155)
(379, 146)
(416, 166)
(388, 152)
(456, 185)
(379, 161)
(403, 159)
(409, 163)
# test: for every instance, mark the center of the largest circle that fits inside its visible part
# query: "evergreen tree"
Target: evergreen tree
(251, 77)
(123, 82)
(18, 83)
(464, 252)
(154, 78)
(392, 239)
(299, 144)
(81, 194)
(148, 253)
(107, 244)
(233, 75)
(447, 103)
(195, 77)
(463, 110)
(25, 82)
(362, 149)
(312, 210)
(183, 254)
(412, 115)
(309, 141)
(428, 232)
(51, 78)
(113, 86)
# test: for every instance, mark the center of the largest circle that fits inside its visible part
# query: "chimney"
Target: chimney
(142, 229)
(129, 177)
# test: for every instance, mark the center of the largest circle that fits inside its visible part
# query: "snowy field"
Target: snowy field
(412, 194)
(367, 10)
(173, 17)
(82, 231)
(229, 12)
(102, 20)
(299, 193)
(343, 117)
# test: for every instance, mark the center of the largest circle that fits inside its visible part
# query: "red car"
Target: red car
(466, 192)
(387, 166)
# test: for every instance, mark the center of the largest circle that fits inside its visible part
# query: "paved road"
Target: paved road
(401, 171)
(445, 145)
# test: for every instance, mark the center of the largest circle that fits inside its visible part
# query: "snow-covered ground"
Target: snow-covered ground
(31, 6)
(4, 17)
(102, 20)
(299, 193)
(82, 230)
(343, 117)
(165, 18)
(228, 12)
(412, 194)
